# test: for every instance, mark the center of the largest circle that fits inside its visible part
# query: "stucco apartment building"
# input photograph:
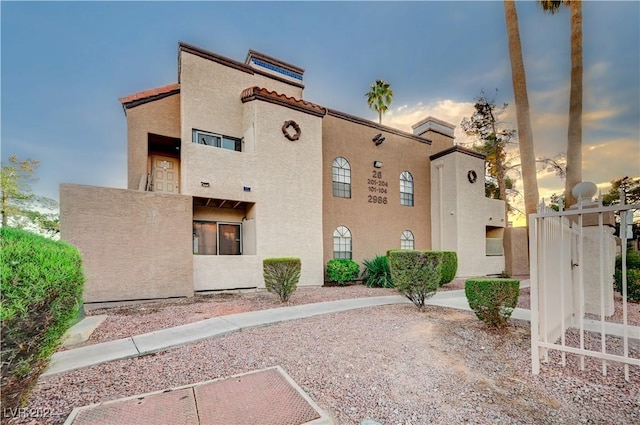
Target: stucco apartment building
(231, 165)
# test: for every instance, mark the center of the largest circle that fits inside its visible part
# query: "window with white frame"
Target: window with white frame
(406, 189)
(217, 140)
(215, 238)
(341, 178)
(406, 240)
(342, 243)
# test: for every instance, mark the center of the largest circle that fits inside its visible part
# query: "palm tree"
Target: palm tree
(525, 140)
(574, 133)
(379, 97)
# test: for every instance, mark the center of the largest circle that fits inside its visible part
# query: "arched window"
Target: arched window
(406, 240)
(406, 189)
(342, 243)
(341, 178)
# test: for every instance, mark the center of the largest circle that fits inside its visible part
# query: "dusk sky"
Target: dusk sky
(65, 64)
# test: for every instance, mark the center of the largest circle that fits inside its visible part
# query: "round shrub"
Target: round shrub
(341, 270)
(376, 273)
(492, 300)
(449, 266)
(41, 287)
(416, 274)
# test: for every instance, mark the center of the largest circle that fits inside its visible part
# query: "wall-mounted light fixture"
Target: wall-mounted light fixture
(204, 184)
(246, 188)
(377, 164)
(378, 139)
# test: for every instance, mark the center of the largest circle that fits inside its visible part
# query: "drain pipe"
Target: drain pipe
(439, 166)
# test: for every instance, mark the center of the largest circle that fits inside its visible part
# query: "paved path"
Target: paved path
(160, 340)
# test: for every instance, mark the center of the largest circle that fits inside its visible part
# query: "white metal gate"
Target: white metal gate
(562, 246)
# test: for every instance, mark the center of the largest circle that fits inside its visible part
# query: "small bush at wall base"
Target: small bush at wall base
(281, 276)
(416, 274)
(376, 273)
(449, 266)
(41, 284)
(492, 300)
(341, 270)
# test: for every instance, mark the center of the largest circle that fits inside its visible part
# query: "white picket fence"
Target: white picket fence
(562, 247)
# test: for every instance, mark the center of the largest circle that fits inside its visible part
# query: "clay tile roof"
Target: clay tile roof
(150, 93)
(256, 92)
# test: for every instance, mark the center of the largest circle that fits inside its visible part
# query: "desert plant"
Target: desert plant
(376, 273)
(341, 270)
(281, 276)
(492, 300)
(449, 266)
(633, 275)
(41, 283)
(416, 274)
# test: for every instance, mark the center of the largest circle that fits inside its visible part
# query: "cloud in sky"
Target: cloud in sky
(403, 117)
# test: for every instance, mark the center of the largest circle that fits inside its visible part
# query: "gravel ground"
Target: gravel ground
(389, 363)
(168, 313)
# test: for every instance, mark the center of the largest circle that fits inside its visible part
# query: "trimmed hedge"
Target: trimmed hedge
(492, 300)
(341, 270)
(449, 266)
(416, 274)
(41, 282)
(633, 275)
(376, 273)
(281, 276)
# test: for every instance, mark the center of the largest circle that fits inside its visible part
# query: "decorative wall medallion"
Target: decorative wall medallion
(291, 130)
(472, 176)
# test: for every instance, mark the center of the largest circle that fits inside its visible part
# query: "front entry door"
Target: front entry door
(165, 174)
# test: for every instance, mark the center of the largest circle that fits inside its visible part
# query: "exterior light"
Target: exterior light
(377, 164)
(246, 188)
(204, 184)
(378, 139)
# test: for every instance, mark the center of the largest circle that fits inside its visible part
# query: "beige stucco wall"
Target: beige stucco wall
(285, 178)
(461, 213)
(516, 243)
(159, 117)
(134, 245)
(375, 228)
(210, 94)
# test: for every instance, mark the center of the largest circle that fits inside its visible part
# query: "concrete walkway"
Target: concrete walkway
(160, 340)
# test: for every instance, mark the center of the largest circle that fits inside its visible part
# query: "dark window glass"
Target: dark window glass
(341, 178)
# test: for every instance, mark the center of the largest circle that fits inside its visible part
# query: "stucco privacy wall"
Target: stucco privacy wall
(139, 246)
(161, 117)
(375, 227)
(461, 211)
(517, 245)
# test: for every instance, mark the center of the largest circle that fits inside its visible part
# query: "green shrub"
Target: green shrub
(416, 274)
(281, 276)
(41, 283)
(449, 266)
(492, 300)
(633, 260)
(376, 273)
(341, 270)
(633, 275)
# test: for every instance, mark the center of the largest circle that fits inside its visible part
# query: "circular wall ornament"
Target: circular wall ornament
(472, 176)
(293, 133)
